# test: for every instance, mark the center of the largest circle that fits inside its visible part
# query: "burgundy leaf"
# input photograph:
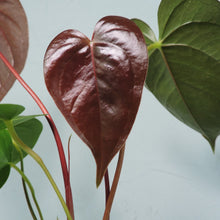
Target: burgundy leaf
(13, 41)
(97, 84)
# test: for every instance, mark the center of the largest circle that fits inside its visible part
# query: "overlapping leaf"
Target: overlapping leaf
(97, 84)
(184, 64)
(13, 41)
(28, 129)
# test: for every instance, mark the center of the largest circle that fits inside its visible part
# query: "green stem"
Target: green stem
(24, 177)
(155, 45)
(24, 185)
(38, 159)
(28, 199)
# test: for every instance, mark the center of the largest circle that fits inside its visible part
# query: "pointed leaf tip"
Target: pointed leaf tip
(97, 84)
(211, 142)
(98, 181)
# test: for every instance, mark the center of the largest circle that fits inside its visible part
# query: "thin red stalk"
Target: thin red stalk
(114, 185)
(69, 153)
(107, 186)
(66, 175)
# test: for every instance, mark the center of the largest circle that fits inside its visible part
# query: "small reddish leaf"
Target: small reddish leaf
(13, 41)
(97, 84)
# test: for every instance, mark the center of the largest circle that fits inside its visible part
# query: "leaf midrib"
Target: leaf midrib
(97, 92)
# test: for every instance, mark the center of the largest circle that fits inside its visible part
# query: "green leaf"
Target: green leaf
(184, 64)
(19, 120)
(146, 31)
(4, 174)
(29, 132)
(172, 14)
(2, 124)
(9, 111)
(6, 147)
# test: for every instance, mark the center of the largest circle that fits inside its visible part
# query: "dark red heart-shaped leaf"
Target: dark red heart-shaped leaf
(97, 84)
(13, 41)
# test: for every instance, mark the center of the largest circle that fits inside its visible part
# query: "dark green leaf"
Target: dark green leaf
(2, 124)
(172, 14)
(6, 147)
(184, 64)
(9, 111)
(4, 174)
(29, 131)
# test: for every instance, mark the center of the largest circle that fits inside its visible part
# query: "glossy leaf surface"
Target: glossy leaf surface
(13, 41)
(28, 129)
(184, 64)
(97, 84)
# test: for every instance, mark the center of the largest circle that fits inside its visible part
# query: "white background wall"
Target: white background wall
(169, 170)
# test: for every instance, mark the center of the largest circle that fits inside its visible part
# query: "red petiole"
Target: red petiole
(66, 175)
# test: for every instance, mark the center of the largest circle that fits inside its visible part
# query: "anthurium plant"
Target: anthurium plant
(97, 85)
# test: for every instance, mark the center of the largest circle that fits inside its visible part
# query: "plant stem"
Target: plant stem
(107, 186)
(114, 184)
(24, 177)
(28, 199)
(24, 185)
(38, 159)
(66, 175)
